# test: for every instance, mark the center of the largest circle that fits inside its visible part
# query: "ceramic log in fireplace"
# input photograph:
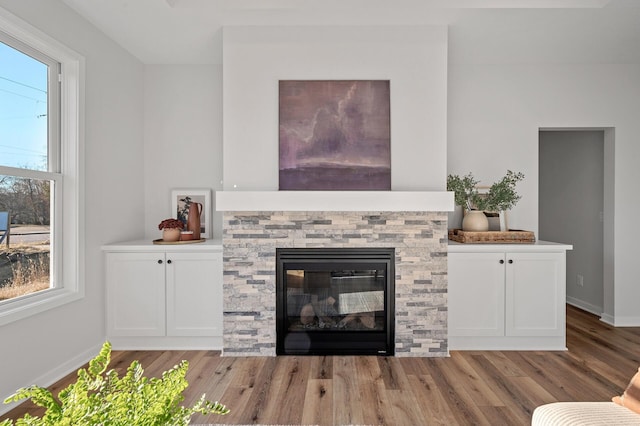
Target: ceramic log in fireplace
(335, 301)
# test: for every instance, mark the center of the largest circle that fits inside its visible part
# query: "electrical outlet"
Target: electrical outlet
(580, 280)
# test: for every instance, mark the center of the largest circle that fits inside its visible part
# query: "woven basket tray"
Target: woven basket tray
(512, 236)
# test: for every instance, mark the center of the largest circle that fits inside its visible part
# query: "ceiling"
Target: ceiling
(190, 31)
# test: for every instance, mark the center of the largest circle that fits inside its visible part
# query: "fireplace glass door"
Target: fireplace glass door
(335, 301)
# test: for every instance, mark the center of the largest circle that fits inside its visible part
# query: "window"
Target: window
(40, 171)
(29, 143)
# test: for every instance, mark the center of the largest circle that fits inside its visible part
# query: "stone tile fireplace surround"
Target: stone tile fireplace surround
(251, 236)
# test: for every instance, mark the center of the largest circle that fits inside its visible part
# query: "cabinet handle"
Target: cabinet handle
(510, 260)
(159, 261)
(501, 261)
(169, 261)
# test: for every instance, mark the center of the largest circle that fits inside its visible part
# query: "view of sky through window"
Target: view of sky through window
(23, 110)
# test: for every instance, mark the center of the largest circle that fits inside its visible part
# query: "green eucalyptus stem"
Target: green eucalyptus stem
(501, 196)
(464, 188)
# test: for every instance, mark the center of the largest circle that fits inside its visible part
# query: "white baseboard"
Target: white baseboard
(155, 343)
(585, 306)
(620, 321)
(608, 319)
(506, 343)
(615, 321)
(49, 378)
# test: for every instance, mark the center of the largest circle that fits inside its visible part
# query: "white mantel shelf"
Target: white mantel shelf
(398, 201)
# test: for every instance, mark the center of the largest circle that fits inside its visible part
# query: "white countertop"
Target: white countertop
(454, 247)
(148, 245)
(541, 246)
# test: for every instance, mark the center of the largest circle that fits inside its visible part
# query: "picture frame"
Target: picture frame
(180, 198)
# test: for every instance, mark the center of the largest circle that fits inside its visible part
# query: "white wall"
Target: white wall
(42, 348)
(414, 59)
(495, 111)
(182, 137)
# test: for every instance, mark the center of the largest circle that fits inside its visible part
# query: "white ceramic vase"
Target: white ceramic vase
(475, 221)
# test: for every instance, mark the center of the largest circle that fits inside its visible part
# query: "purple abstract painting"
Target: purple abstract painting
(335, 135)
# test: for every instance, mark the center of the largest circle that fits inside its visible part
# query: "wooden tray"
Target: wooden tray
(161, 241)
(512, 236)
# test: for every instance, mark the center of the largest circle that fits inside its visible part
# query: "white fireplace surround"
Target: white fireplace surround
(393, 201)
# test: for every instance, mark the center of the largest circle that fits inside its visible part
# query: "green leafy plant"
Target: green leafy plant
(465, 191)
(100, 397)
(501, 195)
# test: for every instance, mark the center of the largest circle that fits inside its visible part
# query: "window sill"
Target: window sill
(14, 310)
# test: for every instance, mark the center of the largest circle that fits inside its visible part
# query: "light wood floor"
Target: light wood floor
(468, 388)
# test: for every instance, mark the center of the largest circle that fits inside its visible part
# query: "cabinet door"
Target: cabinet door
(476, 294)
(535, 294)
(194, 294)
(135, 294)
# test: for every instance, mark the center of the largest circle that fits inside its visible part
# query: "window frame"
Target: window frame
(65, 170)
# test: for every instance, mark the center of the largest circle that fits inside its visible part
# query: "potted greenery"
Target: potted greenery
(500, 197)
(171, 229)
(99, 398)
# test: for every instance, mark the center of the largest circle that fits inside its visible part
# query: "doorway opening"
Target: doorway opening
(576, 207)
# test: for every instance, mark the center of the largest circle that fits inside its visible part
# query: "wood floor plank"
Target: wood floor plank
(145, 358)
(164, 361)
(478, 389)
(289, 386)
(346, 392)
(520, 404)
(259, 397)
(581, 382)
(376, 405)
(405, 408)
(602, 350)
(240, 390)
(468, 388)
(530, 363)
(454, 393)
(392, 373)
(294, 393)
(503, 363)
(536, 393)
(318, 403)
(413, 367)
(500, 415)
(602, 382)
(431, 402)
(215, 386)
(321, 367)
(617, 374)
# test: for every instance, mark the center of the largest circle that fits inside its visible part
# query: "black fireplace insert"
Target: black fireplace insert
(335, 301)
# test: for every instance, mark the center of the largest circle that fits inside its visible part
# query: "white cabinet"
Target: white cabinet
(507, 297)
(476, 294)
(164, 298)
(194, 294)
(535, 294)
(136, 295)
